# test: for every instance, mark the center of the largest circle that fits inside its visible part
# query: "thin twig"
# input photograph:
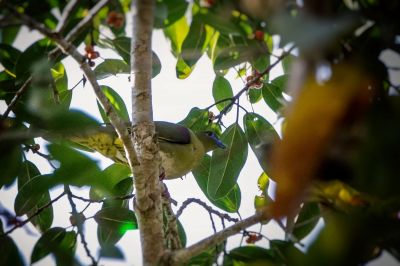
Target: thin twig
(205, 206)
(18, 94)
(37, 212)
(68, 9)
(103, 200)
(181, 256)
(79, 226)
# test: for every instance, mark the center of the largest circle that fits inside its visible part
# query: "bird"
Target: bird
(181, 149)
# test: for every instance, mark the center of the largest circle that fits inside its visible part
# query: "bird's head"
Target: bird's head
(210, 140)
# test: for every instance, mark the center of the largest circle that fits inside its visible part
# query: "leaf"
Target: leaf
(230, 202)
(30, 194)
(75, 168)
(226, 164)
(116, 101)
(176, 33)
(123, 47)
(10, 162)
(230, 55)
(308, 218)
(221, 90)
(196, 120)
(111, 251)
(8, 57)
(273, 96)
(260, 135)
(255, 95)
(10, 254)
(222, 22)
(182, 69)
(194, 44)
(111, 67)
(252, 254)
(181, 233)
(57, 241)
(112, 175)
(168, 12)
(44, 219)
(117, 218)
(281, 82)
(27, 59)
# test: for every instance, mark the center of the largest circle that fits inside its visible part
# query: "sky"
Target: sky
(172, 100)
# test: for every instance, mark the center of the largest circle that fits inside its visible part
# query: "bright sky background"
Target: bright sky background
(172, 100)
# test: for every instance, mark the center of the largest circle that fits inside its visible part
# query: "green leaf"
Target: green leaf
(44, 219)
(261, 201)
(8, 34)
(196, 120)
(260, 135)
(230, 202)
(10, 254)
(181, 233)
(195, 42)
(61, 81)
(30, 194)
(65, 251)
(27, 59)
(8, 57)
(308, 218)
(221, 90)
(263, 183)
(55, 240)
(111, 251)
(226, 164)
(252, 254)
(176, 33)
(112, 175)
(182, 69)
(116, 101)
(111, 67)
(168, 12)
(255, 95)
(272, 95)
(230, 54)
(75, 168)
(10, 162)
(222, 22)
(281, 82)
(123, 48)
(287, 62)
(117, 218)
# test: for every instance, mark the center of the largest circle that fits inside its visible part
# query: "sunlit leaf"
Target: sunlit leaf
(226, 164)
(177, 33)
(117, 218)
(8, 57)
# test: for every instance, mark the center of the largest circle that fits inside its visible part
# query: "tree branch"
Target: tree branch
(18, 95)
(68, 9)
(79, 225)
(71, 50)
(148, 203)
(181, 256)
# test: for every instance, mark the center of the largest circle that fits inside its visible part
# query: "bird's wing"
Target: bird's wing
(172, 133)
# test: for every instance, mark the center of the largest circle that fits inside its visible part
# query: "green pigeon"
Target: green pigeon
(181, 149)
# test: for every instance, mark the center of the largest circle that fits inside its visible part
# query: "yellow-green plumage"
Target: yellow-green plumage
(181, 149)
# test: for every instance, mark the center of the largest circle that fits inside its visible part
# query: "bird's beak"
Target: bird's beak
(220, 144)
